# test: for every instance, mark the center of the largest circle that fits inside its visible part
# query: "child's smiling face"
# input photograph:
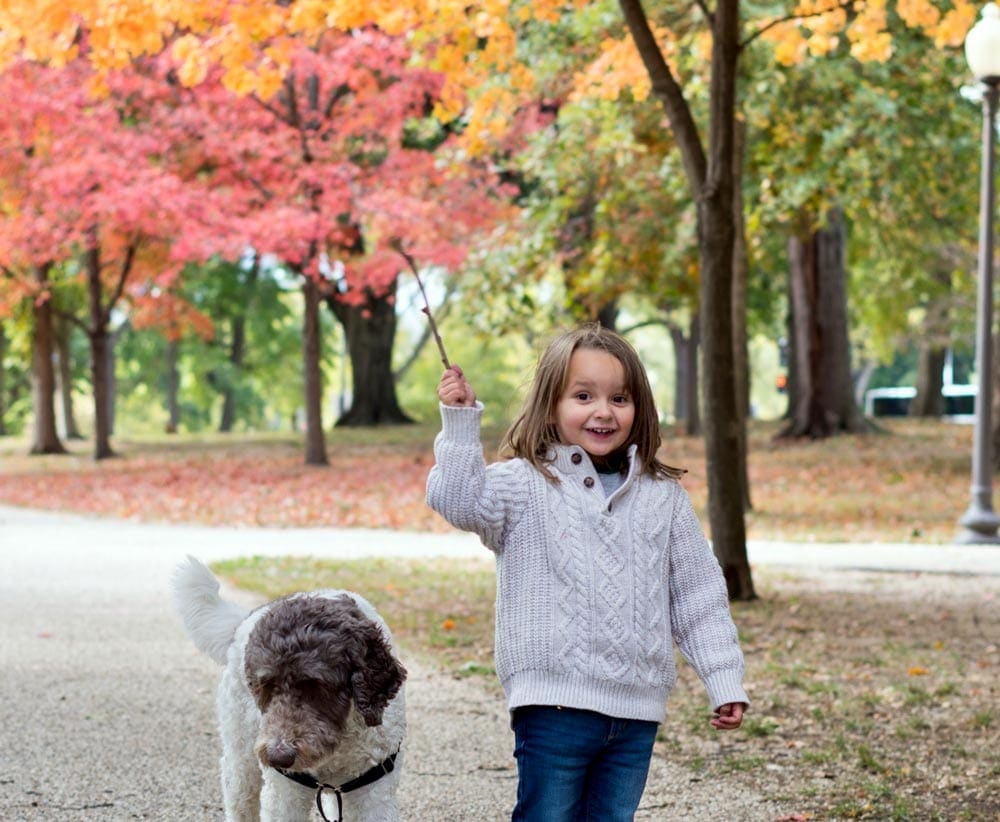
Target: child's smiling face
(595, 410)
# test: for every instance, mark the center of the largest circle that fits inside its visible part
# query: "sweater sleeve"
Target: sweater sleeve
(699, 609)
(460, 486)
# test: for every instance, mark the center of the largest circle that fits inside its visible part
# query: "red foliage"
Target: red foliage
(325, 173)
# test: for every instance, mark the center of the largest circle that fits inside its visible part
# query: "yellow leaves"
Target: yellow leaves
(869, 39)
(255, 24)
(821, 44)
(193, 62)
(790, 46)
(954, 25)
(877, 47)
(918, 670)
(815, 32)
(918, 13)
(311, 15)
(617, 67)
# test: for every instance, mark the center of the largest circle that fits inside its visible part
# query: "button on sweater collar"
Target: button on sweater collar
(571, 460)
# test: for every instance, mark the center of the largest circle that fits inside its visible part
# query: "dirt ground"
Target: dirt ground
(875, 696)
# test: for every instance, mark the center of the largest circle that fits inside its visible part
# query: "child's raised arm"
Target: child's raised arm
(454, 389)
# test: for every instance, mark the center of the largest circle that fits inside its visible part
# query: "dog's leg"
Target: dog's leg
(241, 788)
(282, 800)
(240, 768)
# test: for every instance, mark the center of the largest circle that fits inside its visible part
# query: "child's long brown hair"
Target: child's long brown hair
(534, 431)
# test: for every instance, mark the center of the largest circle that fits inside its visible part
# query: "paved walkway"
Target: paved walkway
(106, 709)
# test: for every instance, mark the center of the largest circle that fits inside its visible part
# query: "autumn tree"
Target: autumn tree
(93, 204)
(323, 174)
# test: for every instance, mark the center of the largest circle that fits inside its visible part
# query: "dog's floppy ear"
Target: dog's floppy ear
(377, 677)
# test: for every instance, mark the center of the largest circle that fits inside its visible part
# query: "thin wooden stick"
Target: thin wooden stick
(396, 244)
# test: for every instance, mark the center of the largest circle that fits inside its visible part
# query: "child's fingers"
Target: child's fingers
(728, 716)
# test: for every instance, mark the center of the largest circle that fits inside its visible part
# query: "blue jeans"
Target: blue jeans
(579, 766)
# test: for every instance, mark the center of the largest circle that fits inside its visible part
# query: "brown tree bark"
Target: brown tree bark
(237, 353)
(312, 368)
(370, 331)
(97, 333)
(62, 330)
(710, 178)
(45, 437)
(929, 401)
(824, 398)
(173, 387)
(932, 349)
(686, 405)
(3, 381)
(741, 267)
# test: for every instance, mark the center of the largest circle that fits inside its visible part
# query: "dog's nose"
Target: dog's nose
(280, 754)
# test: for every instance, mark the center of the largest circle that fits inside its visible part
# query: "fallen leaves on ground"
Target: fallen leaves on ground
(908, 485)
(874, 697)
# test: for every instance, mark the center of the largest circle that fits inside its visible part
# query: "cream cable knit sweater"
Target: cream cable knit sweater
(592, 591)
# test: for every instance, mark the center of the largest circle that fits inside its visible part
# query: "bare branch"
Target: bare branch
(442, 311)
(397, 245)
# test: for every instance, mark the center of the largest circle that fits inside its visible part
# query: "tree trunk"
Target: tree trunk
(929, 401)
(237, 353)
(173, 387)
(3, 381)
(716, 243)
(935, 337)
(45, 437)
(741, 266)
(237, 348)
(824, 400)
(111, 395)
(686, 406)
(694, 427)
(62, 331)
(97, 333)
(710, 178)
(312, 364)
(370, 331)
(607, 315)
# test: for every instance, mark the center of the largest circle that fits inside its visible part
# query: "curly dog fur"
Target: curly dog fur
(311, 685)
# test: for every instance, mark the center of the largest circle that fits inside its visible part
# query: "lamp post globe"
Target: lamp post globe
(982, 46)
(982, 51)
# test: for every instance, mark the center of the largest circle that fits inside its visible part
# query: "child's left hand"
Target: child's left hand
(728, 717)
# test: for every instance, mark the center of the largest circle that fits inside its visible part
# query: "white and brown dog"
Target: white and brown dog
(311, 702)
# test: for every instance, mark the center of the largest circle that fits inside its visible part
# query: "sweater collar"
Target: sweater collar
(572, 459)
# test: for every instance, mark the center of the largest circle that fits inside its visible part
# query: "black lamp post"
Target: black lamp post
(982, 50)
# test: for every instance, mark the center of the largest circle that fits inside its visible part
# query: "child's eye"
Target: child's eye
(620, 399)
(583, 396)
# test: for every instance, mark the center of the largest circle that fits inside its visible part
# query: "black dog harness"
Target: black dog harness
(373, 774)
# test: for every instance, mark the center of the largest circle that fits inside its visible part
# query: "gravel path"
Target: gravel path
(106, 709)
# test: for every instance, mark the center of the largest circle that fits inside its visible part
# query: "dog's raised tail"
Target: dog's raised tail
(209, 620)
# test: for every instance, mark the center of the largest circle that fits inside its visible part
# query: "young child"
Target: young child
(601, 566)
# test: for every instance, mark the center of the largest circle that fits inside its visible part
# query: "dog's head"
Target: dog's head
(307, 661)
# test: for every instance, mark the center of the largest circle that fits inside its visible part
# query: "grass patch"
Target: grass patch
(439, 608)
